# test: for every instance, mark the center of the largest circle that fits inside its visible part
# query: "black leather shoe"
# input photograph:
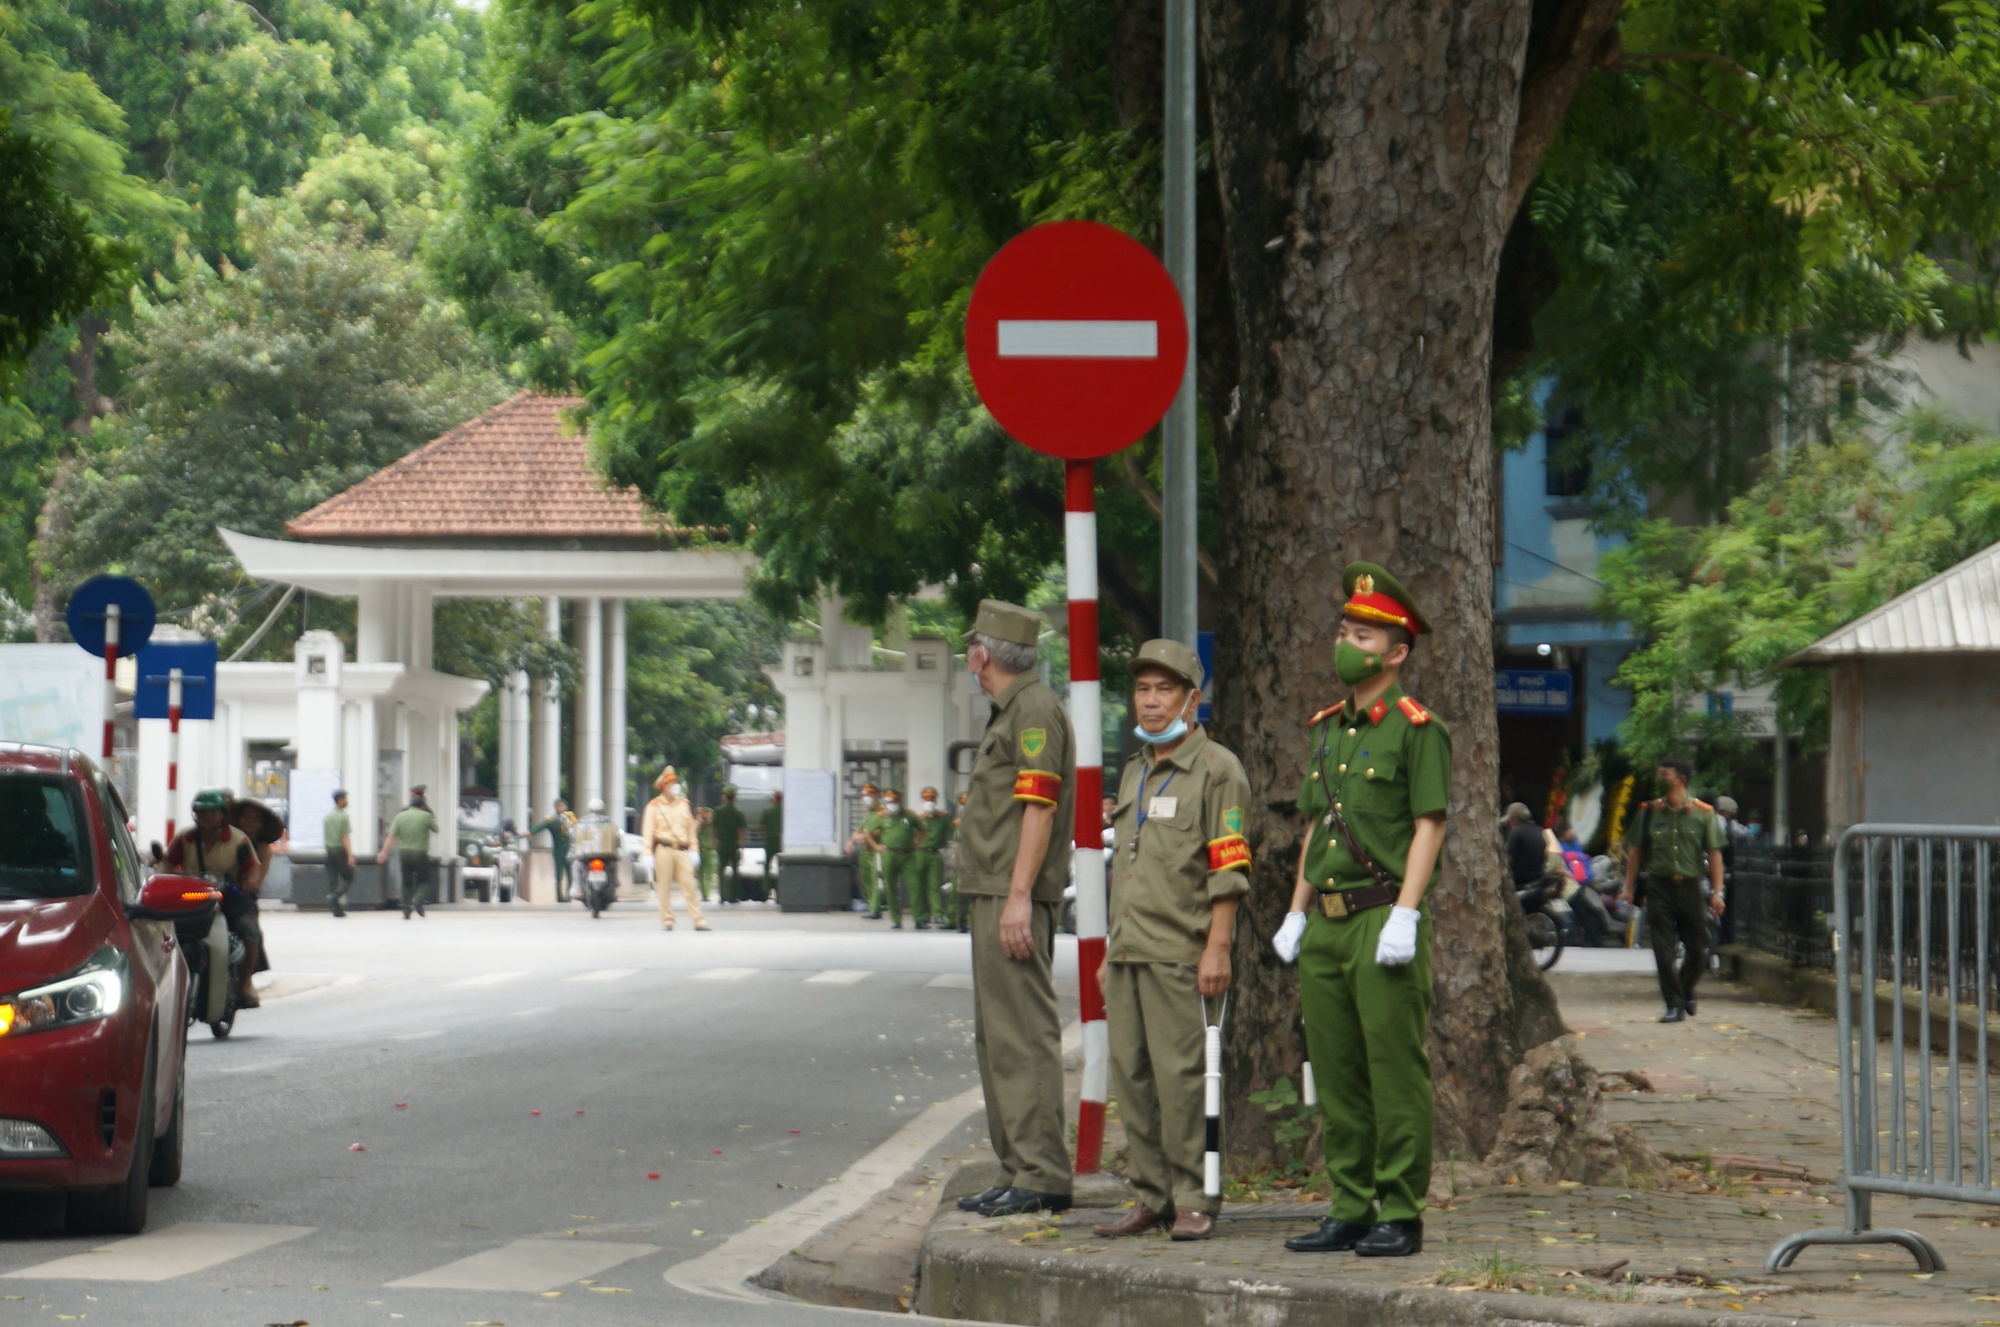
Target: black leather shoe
(1672, 1016)
(1016, 1201)
(1392, 1239)
(972, 1202)
(1690, 1006)
(1333, 1236)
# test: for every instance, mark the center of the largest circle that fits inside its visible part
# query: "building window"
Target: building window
(802, 666)
(1564, 475)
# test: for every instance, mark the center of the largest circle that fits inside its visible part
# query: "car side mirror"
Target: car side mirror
(175, 898)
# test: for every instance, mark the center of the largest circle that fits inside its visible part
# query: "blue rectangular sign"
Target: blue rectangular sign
(1533, 690)
(195, 659)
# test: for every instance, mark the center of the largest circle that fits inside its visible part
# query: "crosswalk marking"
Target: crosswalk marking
(603, 974)
(527, 1265)
(260, 1065)
(162, 1254)
(487, 979)
(418, 1036)
(725, 974)
(952, 981)
(840, 976)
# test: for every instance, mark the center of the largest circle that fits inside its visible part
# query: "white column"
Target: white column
(512, 703)
(587, 777)
(546, 739)
(615, 794)
(419, 605)
(374, 625)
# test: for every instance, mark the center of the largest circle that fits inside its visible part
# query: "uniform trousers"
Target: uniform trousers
(1365, 1030)
(1017, 1035)
(1677, 917)
(417, 871)
(339, 877)
(927, 886)
(875, 869)
(898, 878)
(1157, 1057)
(672, 869)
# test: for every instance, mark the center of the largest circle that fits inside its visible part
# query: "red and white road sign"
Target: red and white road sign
(1076, 339)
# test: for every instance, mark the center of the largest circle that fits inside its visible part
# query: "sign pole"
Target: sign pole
(110, 676)
(174, 684)
(1086, 710)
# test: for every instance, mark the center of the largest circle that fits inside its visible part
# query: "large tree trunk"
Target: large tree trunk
(52, 521)
(1364, 150)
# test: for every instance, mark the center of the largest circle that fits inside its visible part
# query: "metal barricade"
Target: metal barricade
(1915, 1117)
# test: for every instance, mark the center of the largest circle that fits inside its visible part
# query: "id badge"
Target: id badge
(1163, 807)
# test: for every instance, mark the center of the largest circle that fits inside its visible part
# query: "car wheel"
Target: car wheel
(120, 1209)
(165, 1171)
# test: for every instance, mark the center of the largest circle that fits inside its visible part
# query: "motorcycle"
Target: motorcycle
(210, 948)
(600, 884)
(507, 870)
(1546, 917)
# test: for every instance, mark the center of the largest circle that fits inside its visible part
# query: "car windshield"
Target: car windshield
(43, 851)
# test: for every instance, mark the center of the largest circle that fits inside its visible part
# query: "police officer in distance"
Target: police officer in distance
(1378, 780)
(1673, 843)
(1182, 865)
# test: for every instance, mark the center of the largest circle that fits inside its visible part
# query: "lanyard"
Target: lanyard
(1171, 771)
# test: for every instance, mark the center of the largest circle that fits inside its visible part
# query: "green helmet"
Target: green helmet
(211, 799)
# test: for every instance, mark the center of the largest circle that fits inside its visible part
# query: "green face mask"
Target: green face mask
(1353, 664)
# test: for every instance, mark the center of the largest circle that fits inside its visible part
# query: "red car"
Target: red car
(93, 994)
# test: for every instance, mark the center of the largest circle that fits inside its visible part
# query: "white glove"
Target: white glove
(1398, 944)
(1286, 941)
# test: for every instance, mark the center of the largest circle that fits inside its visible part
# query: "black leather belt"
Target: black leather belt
(1345, 903)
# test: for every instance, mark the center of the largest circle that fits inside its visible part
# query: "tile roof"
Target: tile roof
(1954, 612)
(521, 472)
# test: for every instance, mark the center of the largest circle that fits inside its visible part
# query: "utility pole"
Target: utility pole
(1179, 461)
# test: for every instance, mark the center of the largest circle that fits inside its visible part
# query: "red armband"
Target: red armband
(1231, 853)
(1037, 785)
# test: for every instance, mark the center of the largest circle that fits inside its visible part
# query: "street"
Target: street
(456, 1119)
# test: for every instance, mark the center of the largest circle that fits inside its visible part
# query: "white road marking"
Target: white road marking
(487, 979)
(603, 974)
(840, 976)
(1078, 338)
(162, 1254)
(261, 1064)
(528, 1265)
(952, 981)
(417, 1036)
(725, 974)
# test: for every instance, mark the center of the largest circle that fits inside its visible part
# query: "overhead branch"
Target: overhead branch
(1135, 479)
(1566, 40)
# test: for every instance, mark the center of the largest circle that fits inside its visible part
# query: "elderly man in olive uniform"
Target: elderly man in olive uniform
(1378, 778)
(1013, 864)
(933, 833)
(1182, 865)
(1673, 844)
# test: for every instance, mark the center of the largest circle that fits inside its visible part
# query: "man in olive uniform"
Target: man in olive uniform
(898, 836)
(1673, 844)
(869, 846)
(704, 842)
(729, 825)
(1014, 846)
(339, 839)
(411, 832)
(1182, 865)
(933, 833)
(557, 826)
(772, 821)
(1378, 778)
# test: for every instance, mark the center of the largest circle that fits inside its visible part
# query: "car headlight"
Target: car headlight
(93, 991)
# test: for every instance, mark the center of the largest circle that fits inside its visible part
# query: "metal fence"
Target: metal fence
(1781, 902)
(1913, 908)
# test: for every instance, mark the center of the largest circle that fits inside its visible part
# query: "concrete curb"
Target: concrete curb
(968, 1272)
(1776, 980)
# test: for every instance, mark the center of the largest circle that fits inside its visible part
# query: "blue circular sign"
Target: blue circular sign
(87, 605)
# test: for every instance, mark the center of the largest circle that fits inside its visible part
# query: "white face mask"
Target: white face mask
(894, 807)
(930, 807)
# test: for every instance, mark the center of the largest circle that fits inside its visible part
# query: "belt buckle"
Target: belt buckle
(1333, 905)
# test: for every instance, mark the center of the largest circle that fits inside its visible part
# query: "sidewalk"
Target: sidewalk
(1742, 1099)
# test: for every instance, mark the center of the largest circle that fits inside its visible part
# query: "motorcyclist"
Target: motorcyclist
(594, 836)
(223, 855)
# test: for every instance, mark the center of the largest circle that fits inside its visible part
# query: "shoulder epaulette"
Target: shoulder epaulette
(1700, 805)
(1321, 715)
(1412, 711)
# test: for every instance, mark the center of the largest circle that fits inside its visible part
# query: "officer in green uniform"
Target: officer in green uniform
(933, 833)
(1182, 865)
(869, 849)
(730, 823)
(557, 827)
(1013, 863)
(1378, 778)
(704, 842)
(772, 821)
(898, 836)
(1674, 844)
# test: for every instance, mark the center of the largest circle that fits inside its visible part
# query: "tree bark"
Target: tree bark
(52, 521)
(1365, 152)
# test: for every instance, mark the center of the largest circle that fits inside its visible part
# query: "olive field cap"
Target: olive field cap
(1375, 595)
(729, 790)
(339, 794)
(1008, 622)
(1171, 655)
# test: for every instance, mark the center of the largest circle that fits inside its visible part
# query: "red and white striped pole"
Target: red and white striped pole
(110, 677)
(1086, 716)
(173, 745)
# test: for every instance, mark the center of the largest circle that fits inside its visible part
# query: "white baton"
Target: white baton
(1211, 1165)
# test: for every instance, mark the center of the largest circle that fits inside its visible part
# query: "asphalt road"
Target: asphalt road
(513, 1078)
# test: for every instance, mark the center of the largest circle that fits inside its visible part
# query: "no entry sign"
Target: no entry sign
(1076, 339)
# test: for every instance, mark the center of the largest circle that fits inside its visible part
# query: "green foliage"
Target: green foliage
(1846, 527)
(1295, 1121)
(51, 266)
(695, 671)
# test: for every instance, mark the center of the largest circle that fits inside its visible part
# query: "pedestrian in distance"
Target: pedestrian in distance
(898, 836)
(668, 828)
(1012, 868)
(704, 842)
(730, 823)
(772, 821)
(1527, 858)
(1672, 846)
(410, 834)
(869, 845)
(1378, 781)
(339, 836)
(557, 827)
(933, 837)
(1183, 866)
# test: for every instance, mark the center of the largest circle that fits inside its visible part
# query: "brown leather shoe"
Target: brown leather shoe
(1192, 1224)
(1135, 1222)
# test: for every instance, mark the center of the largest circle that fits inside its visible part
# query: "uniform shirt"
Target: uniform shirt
(1027, 757)
(668, 823)
(933, 832)
(1385, 766)
(558, 830)
(898, 833)
(773, 821)
(335, 828)
(871, 827)
(1190, 850)
(1674, 842)
(412, 829)
(729, 821)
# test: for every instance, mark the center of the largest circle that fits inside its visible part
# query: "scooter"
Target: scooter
(211, 948)
(600, 886)
(1546, 916)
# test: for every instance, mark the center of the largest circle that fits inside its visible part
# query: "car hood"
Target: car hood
(45, 938)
